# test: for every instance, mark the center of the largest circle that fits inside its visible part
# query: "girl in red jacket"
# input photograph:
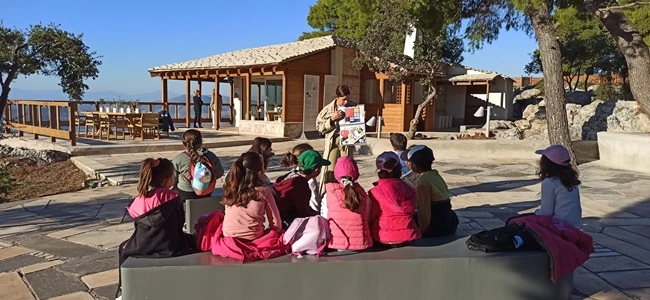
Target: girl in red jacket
(393, 203)
(346, 206)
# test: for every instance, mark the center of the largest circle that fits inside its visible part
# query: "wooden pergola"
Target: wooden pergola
(217, 76)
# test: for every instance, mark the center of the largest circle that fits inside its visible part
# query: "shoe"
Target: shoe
(195, 126)
(200, 126)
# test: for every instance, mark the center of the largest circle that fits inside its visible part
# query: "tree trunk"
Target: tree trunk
(633, 48)
(549, 48)
(586, 82)
(413, 128)
(4, 97)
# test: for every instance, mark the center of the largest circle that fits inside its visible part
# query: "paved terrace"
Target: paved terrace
(64, 246)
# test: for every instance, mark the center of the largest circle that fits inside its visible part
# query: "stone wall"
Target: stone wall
(627, 151)
(267, 128)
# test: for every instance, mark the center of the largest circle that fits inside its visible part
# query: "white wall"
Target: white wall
(456, 101)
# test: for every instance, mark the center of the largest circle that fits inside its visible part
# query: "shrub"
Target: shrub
(608, 91)
(540, 86)
(6, 185)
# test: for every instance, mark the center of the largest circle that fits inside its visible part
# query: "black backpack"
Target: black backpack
(503, 239)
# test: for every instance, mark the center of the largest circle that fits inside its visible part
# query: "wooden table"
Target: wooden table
(129, 121)
(273, 115)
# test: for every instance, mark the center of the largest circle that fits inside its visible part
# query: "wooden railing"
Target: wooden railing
(48, 118)
(53, 118)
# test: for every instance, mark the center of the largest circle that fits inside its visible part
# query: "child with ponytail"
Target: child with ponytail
(347, 208)
(290, 160)
(248, 199)
(185, 162)
(158, 216)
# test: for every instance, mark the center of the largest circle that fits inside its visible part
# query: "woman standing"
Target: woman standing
(327, 123)
(198, 107)
(215, 108)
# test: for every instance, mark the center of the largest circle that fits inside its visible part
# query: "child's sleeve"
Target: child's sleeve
(423, 194)
(218, 168)
(548, 199)
(323, 207)
(272, 212)
(374, 208)
(301, 195)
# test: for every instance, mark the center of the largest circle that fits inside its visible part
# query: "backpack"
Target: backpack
(201, 176)
(510, 237)
(308, 235)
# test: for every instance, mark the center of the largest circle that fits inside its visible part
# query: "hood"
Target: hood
(287, 181)
(141, 205)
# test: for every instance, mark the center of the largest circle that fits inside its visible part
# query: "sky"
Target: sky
(133, 36)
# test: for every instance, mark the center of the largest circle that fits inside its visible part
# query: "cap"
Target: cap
(346, 167)
(387, 161)
(311, 160)
(557, 154)
(419, 155)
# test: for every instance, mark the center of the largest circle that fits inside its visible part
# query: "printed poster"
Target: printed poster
(310, 108)
(353, 126)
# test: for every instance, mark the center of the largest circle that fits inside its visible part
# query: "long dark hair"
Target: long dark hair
(260, 145)
(342, 91)
(153, 174)
(291, 158)
(352, 198)
(193, 141)
(566, 174)
(239, 190)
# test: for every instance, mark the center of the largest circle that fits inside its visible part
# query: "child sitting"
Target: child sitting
(292, 190)
(560, 193)
(434, 214)
(347, 208)
(248, 200)
(193, 154)
(291, 160)
(399, 141)
(158, 216)
(392, 204)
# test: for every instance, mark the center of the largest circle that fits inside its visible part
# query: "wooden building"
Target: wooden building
(294, 81)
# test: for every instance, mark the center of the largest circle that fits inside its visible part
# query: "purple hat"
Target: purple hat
(387, 161)
(557, 154)
(346, 167)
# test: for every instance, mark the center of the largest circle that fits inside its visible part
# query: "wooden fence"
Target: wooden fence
(53, 118)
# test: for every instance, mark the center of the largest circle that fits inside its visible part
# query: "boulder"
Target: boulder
(535, 113)
(34, 157)
(578, 97)
(522, 124)
(501, 124)
(510, 134)
(528, 94)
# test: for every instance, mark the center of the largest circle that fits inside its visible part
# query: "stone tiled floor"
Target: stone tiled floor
(63, 246)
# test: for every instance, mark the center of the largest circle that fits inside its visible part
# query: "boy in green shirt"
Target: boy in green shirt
(434, 214)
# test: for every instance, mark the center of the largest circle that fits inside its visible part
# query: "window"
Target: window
(371, 91)
(391, 91)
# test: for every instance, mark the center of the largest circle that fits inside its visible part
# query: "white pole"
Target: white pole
(379, 127)
(487, 125)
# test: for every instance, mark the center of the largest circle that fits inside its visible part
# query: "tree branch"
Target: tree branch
(630, 5)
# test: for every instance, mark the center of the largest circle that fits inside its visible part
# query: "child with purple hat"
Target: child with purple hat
(560, 193)
(393, 202)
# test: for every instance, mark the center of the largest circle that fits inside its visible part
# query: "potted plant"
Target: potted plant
(253, 115)
(120, 104)
(102, 103)
(136, 105)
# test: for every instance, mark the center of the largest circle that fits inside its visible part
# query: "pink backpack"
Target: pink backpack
(308, 235)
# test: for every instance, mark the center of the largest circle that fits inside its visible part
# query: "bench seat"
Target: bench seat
(430, 269)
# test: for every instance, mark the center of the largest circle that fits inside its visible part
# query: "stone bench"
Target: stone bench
(431, 269)
(195, 208)
(625, 150)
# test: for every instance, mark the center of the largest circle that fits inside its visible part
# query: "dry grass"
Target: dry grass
(33, 181)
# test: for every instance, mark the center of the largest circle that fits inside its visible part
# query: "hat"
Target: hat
(311, 160)
(346, 167)
(419, 155)
(557, 154)
(387, 161)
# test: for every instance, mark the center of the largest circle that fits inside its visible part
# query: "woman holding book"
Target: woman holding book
(327, 123)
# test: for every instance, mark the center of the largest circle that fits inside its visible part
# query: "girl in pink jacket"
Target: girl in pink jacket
(393, 204)
(347, 208)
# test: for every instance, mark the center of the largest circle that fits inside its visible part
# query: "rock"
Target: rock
(535, 113)
(510, 134)
(522, 124)
(592, 88)
(34, 157)
(582, 98)
(528, 94)
(501, 124)
(586, 121)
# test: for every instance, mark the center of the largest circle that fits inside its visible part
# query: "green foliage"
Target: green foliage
(485, 19)
(540, 85)
(640, 17)
(46, 50)
(7, 183)
(345, 18)
(608, 91)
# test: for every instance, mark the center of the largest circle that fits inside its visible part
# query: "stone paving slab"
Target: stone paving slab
(74, 296)
(41, 266)
(10, 252)
(12, 287)
(101, 279)
(50, 283)
(616, 263)
(105, 292)
(58, 247)
(18, 262)
(628, 279)
(90, 264)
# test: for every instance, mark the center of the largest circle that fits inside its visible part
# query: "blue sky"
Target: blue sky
(135, 35)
